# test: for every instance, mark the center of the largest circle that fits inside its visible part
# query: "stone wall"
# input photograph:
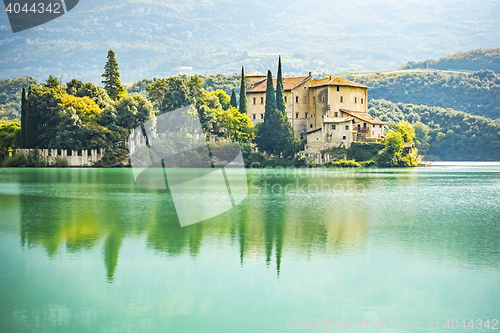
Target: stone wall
(74, 158)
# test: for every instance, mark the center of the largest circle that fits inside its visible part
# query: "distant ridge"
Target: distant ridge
(473, 60)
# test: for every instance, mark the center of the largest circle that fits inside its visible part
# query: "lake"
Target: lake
(86, 250)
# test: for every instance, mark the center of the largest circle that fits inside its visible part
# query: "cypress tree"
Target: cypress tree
(280, 92)
(233, 102)
(29, 126)
(112, 77)
(275, 135)
(24, 105)
(243, 93)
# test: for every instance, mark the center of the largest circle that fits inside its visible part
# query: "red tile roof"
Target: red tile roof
(337, 81)
(364, 116)
(288, 84)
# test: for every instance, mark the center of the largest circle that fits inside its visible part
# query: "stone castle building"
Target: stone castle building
(328, 111)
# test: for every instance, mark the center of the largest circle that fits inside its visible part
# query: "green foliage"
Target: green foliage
(224, 99)
(98, 94)
(224, 82)
(405, 129)
(422, 137)
(336, 153)
(73, 86)
(275, 135)
(364, 151)
(113, 157)
(477, 93)
(473, 60)
(60, 162)
(132, 111)
(11, 97)
(52, 82)
(32, 159)
(243, 94)
(280, 92)
(393, 146)
(177, 94)
(9, 137)
(233, 102)
(453, 135)
(343, 163)
(111, 77)
(24, 106)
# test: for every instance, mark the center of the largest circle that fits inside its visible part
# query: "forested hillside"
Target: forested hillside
(446, 134)
(471, 61)
(164, 38)
(10, 96)
(477, 93)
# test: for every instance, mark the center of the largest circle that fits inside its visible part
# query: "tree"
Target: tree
(98, 94)
(112, 78)
(156, 92)
(275, 135)
(132, 111)
(280, 92)
(224, 99)
(177, 94)
(52, 82)
(422, 137)
(73, 86)
(24, 105)
(406, 129)
(237, 126)
(9, 136)
(393, 146)
(234, 102)
(243, 93)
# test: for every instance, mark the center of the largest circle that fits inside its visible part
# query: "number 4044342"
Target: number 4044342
(36, 8)
(472, 324)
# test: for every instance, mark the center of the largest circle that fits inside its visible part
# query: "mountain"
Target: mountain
(10, 96)
(477, 93)
(471, 60)
(451, 135)
(163, 38)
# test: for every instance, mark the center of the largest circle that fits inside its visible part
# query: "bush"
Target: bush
(362, 151)
(343, 164)
(113, 157)
(17, 160)
(60, 162)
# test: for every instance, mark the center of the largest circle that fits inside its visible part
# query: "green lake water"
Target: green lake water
(86, 250)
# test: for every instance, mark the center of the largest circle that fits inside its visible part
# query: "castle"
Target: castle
(328, 112)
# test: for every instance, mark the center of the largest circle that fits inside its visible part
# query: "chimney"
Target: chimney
(330, 77)
(253, 84)
(310, 73)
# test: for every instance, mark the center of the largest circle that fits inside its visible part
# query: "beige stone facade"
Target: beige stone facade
(320, 109)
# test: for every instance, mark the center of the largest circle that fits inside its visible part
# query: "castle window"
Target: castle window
(311, 126)
(306, 114)
(296, 99)
(254, 100)
(261, 116)
(361, 101)
(285, 99)
(296, 115)
(379, 126)
(323, 99)
(333, 127)
(355, 99)
(253, 115)
(346, 127)
(364, 125)
(338, 88)
(314, 99)
(344, 137)
(262, 100)
(341, 99)
(336, 114)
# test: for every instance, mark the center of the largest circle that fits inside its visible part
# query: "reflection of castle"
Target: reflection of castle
(329, 111)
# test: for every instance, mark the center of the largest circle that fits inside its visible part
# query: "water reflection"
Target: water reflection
(285, 215)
